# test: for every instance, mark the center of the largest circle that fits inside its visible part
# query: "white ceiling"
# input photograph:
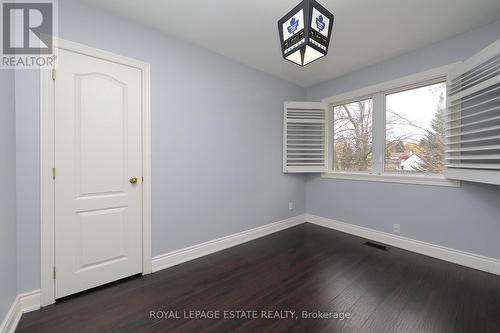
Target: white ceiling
(365, 31)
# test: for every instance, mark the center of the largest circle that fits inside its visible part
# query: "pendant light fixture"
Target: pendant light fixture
(305, 32)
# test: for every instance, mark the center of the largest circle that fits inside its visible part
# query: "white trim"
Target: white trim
(47, 292)
(30, 301)
(9, 323)
(23, 303)
(47, 230)
(431, 180)
(192, 252)
(64, 44)
(378, 134)
(487, 264)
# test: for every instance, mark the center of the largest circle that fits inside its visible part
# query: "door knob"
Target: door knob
(133, 180)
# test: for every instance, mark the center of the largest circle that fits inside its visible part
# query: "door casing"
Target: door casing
(47, 145)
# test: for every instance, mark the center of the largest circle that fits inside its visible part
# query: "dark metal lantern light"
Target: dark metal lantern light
(305, 32)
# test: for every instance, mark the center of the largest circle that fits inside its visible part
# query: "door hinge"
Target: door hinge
(54, 173)
(54, 272)
(53, 73)
(143, 179)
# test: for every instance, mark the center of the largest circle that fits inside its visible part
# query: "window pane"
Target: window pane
(415, 130)
(352, 136)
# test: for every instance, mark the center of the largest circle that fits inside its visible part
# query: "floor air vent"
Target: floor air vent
(377, 246)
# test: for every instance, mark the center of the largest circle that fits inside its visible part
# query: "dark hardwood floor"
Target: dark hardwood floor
(306, 268)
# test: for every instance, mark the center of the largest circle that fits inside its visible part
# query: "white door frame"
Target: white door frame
(47, 144)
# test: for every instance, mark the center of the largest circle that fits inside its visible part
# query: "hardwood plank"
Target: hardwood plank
(303, 268)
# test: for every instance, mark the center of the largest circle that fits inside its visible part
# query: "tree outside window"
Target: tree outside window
(352, 136)
(415, 131)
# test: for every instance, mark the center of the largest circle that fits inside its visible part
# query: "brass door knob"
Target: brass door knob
(133, 180)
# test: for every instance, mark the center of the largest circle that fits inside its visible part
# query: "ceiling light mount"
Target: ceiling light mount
(305, 32)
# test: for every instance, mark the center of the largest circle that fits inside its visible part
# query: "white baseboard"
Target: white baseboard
(23, 303)
(30, 301)
(192, 252)
(12, 317)
(490, 265)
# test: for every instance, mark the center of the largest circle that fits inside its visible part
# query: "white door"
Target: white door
(98, 202)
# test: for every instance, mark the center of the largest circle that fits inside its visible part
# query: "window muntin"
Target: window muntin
(415, 120)
(353, 136)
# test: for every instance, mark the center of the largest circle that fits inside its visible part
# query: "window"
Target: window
(352, 136)
(391, 132)
(431, 128)
(415, 130)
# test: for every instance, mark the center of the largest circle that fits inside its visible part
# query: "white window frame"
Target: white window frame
(378, 94)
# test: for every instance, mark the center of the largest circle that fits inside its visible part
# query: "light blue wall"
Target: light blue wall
(8, 255)
(217, 148)
(216, 139)
(466, 218)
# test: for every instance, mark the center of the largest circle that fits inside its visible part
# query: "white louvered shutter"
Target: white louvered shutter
(473, 119)
(304, 137)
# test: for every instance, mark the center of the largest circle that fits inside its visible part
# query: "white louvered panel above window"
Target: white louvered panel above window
(304, 137)
(473, 119)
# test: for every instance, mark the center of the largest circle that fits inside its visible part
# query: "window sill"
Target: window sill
(429, 180)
